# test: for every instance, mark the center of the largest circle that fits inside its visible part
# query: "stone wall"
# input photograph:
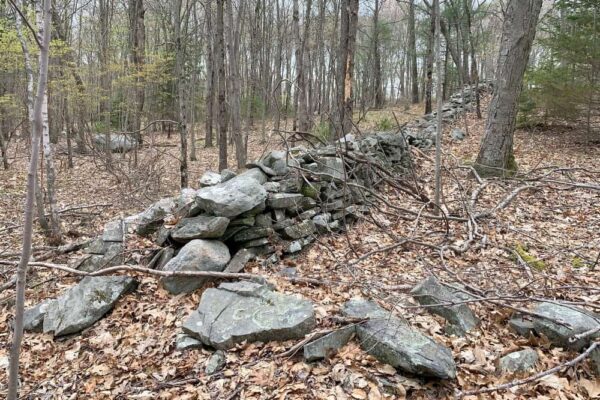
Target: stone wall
(277, 206)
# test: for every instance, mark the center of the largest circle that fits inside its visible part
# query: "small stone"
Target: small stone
(458, 134)
(252, 233)
(272, 187)
(215, 363)
(264, 221)
(577, 319)
(329, 344)
(519, 361)
(240, 259)
(303, 229)
(210, 178)
(289, 272)
(33, 318)
(284, 200)
(185, 342)
(294, 247)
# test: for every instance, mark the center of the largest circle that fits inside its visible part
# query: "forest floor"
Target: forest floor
(553, 223)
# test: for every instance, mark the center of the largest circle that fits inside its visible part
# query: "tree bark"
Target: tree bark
(235, 87)
(21, 284)
(211, 77)
(137, 40)
(518, 31)
(348, 28)
(181, 103)
(412, 49)
(222, 109)
(377, 84)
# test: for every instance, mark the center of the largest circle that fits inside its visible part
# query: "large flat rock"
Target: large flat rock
(392, 341)
(236, 196)
(239, 311)
(197, 255)
(85, 303)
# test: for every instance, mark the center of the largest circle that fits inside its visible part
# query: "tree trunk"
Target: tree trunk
(429, 66)
(21, 282)
(211, 77)
(348, 28)
(181, 103)
(377, 84)
(235, 87)
(412, 49)
(138, 48)
(518, 30)
(222, 110)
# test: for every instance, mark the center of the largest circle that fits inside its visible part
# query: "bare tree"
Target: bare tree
(137, 40)
(211, 75)
(181, 103)
(412, 50)
(496, 156)
(21, 284)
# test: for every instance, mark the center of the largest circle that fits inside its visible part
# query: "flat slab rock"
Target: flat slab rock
(327, 345)
(82, 305)
(201, 227)
(239, 311)
(392, 341)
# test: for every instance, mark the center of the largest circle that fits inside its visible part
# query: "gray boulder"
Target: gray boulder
(85, 303)
(210, 178)
(327, 345)
(197, 255)
(117, 143)
(521, 325)
(247, 311)
(236, 196)
(461, 318)
(518, 361)
(111, 255)
(227, 174)
(393, 342)
(202, 227)
(577, 319)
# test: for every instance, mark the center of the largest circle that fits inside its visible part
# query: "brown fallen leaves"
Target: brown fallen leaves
(130, 354)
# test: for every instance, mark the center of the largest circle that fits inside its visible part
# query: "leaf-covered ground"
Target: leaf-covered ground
(543, 244)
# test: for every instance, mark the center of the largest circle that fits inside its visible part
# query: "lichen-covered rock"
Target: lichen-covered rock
(33, 318)
(240, 259)
(247, 311)
(439, 298)
(522, 325)
(85, 303)
(518, 361)
(197, 255)
(234, 197)
(201, 227)
(328, 168)
(113, 231)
